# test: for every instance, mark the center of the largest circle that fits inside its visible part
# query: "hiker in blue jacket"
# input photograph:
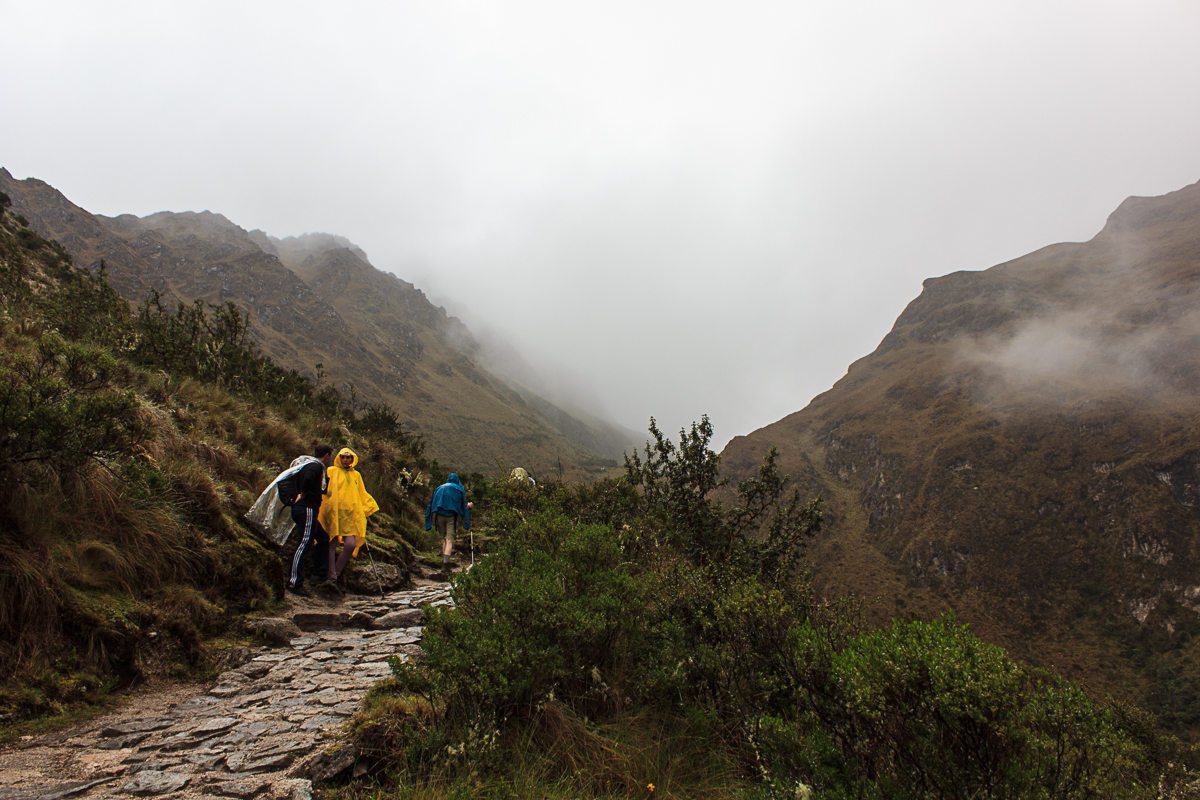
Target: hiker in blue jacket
(449, 504)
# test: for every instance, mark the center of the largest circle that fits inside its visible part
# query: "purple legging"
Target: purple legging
(337, 565)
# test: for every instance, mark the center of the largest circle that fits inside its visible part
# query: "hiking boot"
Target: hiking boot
(300, 591)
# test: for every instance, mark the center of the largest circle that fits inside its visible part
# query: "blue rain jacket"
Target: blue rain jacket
(450, 498)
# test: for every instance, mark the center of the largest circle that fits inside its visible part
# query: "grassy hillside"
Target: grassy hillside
(1023, 448)
(133, 443)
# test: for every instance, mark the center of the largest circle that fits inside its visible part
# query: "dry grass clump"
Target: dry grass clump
(86, 531)
(275, 442)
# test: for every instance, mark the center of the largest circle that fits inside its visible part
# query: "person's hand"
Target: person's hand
(299, 497)
(470, 506)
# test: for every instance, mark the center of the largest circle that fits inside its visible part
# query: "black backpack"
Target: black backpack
(288, 488)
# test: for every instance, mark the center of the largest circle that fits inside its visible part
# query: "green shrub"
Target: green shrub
(926, 710)
(59, 406)
(554, 613)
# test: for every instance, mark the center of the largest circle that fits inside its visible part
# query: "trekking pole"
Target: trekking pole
(375, 570)
(472, 534)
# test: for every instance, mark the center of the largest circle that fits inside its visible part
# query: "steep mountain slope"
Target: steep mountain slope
(1024, 447)
(374, 335)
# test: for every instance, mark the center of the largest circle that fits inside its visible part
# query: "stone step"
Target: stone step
(261, 731)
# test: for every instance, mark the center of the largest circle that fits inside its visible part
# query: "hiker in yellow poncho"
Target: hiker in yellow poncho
(345, 510)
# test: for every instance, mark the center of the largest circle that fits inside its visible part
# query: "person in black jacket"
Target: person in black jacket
(313, 538)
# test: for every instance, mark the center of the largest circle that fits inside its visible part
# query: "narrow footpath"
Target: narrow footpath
(264, 731)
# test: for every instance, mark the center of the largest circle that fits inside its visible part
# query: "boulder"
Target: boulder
(359, 578)
(274, 630)
(405, 618)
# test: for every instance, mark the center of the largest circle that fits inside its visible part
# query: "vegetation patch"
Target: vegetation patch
(635, 637)
(133, 443)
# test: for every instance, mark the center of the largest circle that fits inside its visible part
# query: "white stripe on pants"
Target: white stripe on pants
(305, 536)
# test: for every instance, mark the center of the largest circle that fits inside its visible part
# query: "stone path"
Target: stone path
(263, 731)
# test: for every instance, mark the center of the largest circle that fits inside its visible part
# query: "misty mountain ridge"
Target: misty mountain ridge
(1024, 448)
(316, 299)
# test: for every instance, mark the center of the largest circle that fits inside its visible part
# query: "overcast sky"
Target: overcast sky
(676, 208)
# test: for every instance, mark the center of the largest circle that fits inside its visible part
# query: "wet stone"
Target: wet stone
(242, 789)
(205, 758)
(122, 742)
(295, 748)
(253, 670)
(137, 727)
(271, 764)
(214, 726)
(400, 619)
(257, 697)
(320, 723)
(234, 677)
(180, 741)
(73, 789)
(152, 766)
(255, 728)
(197, 703)
(378, 657)
(150, 783)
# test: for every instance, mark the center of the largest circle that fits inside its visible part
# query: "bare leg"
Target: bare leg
(448, 542)
(347, 551)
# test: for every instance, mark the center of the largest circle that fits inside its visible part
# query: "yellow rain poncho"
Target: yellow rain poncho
(345, 509)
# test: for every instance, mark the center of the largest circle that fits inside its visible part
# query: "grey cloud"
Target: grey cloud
(703, 207)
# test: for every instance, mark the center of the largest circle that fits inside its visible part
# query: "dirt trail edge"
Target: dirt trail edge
(267, 728)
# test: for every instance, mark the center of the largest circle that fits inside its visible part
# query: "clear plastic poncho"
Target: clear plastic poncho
(268, 514)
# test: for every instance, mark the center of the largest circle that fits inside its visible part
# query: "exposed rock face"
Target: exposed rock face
(265, 730)
(315, 299)
(1022, 448)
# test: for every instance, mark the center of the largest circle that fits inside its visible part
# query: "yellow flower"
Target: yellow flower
(650, 786)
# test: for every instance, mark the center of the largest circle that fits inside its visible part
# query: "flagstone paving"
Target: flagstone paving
(257, 734)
